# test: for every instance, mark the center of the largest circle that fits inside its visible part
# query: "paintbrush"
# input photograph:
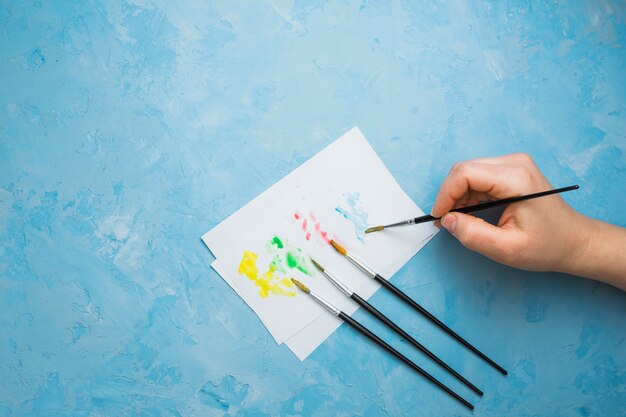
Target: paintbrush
(380, 316)
(366, 332)
(396, 291)
(470, 209)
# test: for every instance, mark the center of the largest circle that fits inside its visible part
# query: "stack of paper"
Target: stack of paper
(335, 195)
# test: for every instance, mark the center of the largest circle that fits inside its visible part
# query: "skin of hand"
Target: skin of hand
(543, 234)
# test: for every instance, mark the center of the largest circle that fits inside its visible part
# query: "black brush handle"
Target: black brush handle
(365, 331)
(380, 316)
(497, 203)
(438, 322)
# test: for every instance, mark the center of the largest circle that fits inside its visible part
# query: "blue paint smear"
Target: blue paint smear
(353, 212)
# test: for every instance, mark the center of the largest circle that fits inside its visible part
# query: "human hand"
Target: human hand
(540, 235)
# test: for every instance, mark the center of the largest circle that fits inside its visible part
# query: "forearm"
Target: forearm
(603, 254)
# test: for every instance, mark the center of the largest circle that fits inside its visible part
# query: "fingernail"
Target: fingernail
(449, 222)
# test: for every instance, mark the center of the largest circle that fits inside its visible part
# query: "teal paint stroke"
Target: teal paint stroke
(354, 212)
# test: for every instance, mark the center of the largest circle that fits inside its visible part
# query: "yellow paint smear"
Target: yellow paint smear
(267, 282)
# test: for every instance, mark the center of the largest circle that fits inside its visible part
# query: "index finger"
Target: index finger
(477, 176)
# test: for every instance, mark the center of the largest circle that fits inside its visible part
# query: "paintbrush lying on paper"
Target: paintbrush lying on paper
(397, 292)
(366, 332)
(470, 209)
(380, 316)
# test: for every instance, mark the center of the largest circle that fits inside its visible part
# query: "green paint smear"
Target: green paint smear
(277, 242)
(298, 262)
(287, 257)
(277, 263)
(291, 260)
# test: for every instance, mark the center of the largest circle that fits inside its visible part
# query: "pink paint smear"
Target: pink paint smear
(316, 230)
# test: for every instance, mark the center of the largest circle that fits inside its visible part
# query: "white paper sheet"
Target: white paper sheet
(303, 343)
(345, 178)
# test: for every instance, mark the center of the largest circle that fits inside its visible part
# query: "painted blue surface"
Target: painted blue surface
(129, 129)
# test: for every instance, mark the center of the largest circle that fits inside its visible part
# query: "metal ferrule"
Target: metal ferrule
(361, 265)
(338, 284)
(328, 306)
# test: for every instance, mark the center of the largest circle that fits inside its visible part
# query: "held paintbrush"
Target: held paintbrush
(366, 332)
(470, 209)
(400, 294)
(380, 316)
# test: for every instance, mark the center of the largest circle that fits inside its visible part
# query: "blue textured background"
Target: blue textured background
(127, 130)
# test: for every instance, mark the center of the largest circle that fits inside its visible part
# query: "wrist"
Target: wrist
(602, 253)
(578, 258)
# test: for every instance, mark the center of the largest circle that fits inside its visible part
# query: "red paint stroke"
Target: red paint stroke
(316, 231)
(321, 233)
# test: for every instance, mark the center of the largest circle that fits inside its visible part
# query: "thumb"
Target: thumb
(480, 236)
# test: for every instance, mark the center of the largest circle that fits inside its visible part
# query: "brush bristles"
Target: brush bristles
(301, 285)
(374, 229)
(318, 266)
(338, 247)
